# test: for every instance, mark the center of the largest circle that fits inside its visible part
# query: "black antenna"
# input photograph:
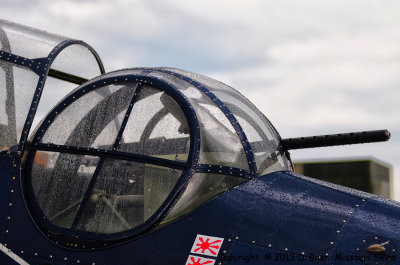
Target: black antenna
(336, 139)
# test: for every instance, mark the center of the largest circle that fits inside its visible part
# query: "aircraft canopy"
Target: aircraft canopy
(140, 147)
(27, 57)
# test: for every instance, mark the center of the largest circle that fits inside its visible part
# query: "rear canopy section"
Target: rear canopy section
(27, 58)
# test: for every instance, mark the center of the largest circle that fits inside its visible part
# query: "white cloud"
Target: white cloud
(77, 10)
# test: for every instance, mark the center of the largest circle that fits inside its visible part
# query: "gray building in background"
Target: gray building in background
(366, 173)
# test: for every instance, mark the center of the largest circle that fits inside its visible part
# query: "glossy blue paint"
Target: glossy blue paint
(6, 172)
(5, 259)
(263, 217)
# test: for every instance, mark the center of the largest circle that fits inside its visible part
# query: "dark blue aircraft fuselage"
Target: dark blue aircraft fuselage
(279, 218)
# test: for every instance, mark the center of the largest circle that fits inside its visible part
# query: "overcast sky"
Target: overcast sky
(312, 67)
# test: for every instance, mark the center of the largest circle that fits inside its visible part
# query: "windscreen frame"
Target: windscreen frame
(59, 234)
